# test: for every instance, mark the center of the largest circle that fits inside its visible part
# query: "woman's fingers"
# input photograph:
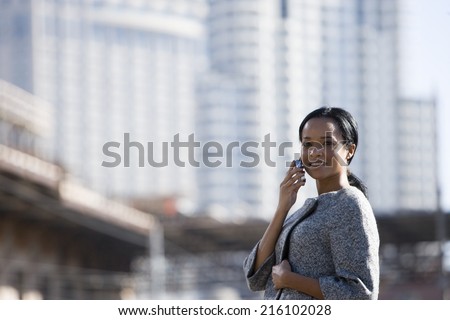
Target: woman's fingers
(289, 173)
(294, 177)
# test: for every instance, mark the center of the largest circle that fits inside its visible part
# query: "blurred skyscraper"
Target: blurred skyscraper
(117, 71)
(289, 57)
(142, 67)
(417, 154)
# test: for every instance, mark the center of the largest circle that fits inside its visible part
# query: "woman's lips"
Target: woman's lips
(315, 164)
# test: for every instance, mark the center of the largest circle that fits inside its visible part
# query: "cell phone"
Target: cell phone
(298, 163)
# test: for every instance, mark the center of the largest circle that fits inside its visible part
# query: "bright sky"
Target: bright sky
(426, 69)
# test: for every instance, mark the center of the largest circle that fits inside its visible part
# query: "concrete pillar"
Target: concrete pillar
(7, 287)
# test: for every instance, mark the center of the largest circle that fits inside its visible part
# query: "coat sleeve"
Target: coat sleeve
(354, 245)
(257, 279)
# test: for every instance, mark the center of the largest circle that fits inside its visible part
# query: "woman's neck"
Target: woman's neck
(333, 183)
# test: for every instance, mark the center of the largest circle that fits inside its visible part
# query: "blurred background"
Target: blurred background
(114, 113)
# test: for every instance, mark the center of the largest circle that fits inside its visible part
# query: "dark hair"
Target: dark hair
(349, 130)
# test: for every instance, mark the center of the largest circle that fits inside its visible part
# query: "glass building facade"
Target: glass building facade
(131, 77)
(115, 71)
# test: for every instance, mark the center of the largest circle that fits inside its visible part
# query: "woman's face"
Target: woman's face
(323, 151)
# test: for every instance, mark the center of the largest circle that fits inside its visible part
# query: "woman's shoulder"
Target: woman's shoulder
(355, 205)
(352, 195)
(349, 199)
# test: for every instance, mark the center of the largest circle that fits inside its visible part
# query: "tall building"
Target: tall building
(287, 58)
(16, 43)
(417, 174)
(132, 81)
(121, 75)
(377, 104)
(246, 50)
(25, 123)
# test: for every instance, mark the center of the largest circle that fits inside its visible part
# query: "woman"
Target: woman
(333, 252)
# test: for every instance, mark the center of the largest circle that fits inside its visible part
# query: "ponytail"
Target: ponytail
(357, 182)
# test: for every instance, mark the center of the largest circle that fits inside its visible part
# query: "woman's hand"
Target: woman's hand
(279, 273)
(295, 178)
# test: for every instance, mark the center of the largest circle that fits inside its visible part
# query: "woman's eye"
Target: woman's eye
(306, 144)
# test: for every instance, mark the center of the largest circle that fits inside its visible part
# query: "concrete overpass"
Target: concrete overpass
(60, 240)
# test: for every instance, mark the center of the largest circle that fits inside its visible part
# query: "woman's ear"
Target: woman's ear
(351, 148)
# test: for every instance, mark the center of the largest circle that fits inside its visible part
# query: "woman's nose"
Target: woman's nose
(315, 151)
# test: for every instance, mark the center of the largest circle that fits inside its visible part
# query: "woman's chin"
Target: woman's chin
(315, 172)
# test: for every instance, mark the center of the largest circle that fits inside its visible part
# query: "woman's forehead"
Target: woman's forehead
(320, 128)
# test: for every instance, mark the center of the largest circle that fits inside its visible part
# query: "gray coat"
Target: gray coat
(337, 244)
